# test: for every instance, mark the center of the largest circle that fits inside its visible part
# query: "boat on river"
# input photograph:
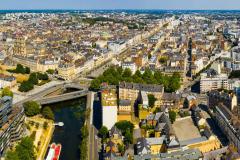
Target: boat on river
(60, 124)
(54, 152)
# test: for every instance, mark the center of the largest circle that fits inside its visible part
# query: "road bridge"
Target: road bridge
(62, 97)
(75, 86)
(44, 93)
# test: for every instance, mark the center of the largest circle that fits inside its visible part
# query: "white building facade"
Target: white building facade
(109, 116)
(208, 83)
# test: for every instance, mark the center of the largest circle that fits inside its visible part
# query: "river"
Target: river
(71, 113)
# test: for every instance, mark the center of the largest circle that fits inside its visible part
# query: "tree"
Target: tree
(138, 74)
(128, 137)
(137, 77)
(84, 131)
(151, 100)
(172, 116)
(42, 76)
(33, 78)
(25, 149)
(159, 77)
(27, 70)
(25, 86)
(83, 145)
(50, 71)
(95, 85)
(158, 109)
(120, 148)
(127, 73)
(148, 76)
(163, 60)
(174, 83)
(235, 74)
(20, 69)
(48, 113)
(119, 70)
(103, 132)
(11, 155)
(33, 135)
(31, 108)
(45, 125)
(149, 56)
(7, 92)
(126, 128)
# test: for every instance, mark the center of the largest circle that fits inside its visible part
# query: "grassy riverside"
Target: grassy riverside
(47, 142)
(42, 136)
(85, 137)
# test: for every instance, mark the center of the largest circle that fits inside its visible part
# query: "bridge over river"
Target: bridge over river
(62, 97)
(48, 96)
(45, 97)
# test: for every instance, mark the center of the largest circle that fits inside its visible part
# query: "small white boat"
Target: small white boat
(60, 124)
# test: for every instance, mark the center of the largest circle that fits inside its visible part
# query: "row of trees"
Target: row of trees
(24, 150)
(20, 69)
(32, 80)
(114, 75)
(32, 108)
(84, 143)
(84, 136)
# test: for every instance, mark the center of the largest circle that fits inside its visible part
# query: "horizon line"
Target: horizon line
(99, 9)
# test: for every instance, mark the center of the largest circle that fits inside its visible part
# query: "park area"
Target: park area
(41, 131)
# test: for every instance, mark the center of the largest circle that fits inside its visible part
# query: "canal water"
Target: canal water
(71, 113)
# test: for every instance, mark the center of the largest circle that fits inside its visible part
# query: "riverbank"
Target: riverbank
(47, 142)
(42, 131)
(91, 139)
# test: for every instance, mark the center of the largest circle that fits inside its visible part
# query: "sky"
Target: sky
(120, 4)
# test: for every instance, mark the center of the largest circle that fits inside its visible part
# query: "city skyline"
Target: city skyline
(118, 79)
(123, 4)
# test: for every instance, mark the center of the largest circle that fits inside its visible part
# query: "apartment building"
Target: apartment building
(229, 124)
(66, 71)
(227, 99)
(20, 46)
(213, 81)
(125, 110)
(130, 65)
(131, 91)
(109, 107)
(7, 81)
(11, 123)
(150, 145)
(189, 154)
